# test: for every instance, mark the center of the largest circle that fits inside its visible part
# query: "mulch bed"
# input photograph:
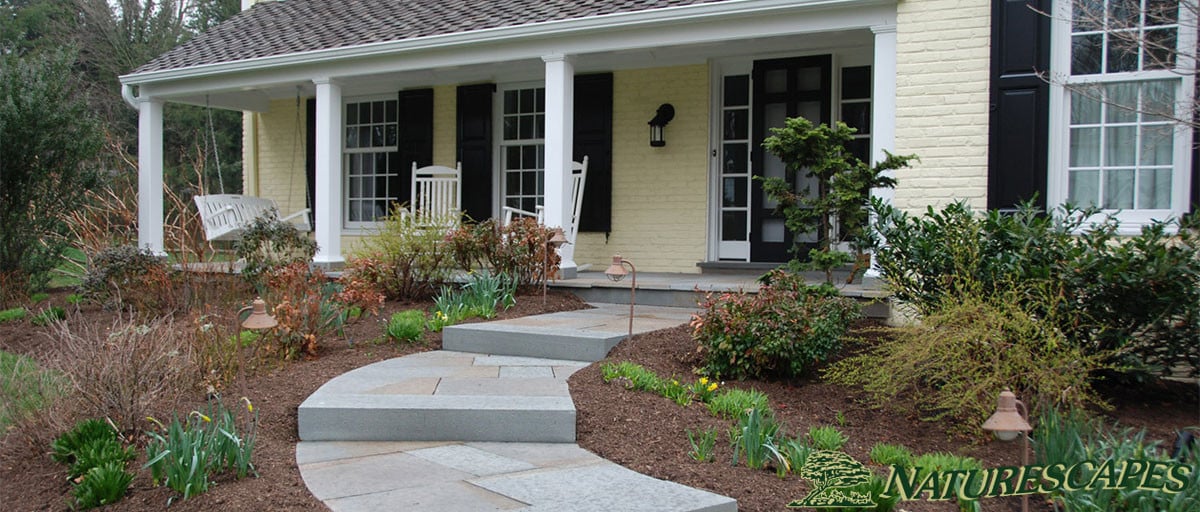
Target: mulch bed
(642, 431)
(647, 433)
(29, 480)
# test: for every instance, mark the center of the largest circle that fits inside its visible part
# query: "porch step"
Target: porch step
(688, 290)
(445, 396)
(584, 335)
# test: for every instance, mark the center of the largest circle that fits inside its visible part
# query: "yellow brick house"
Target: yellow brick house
(340, 98)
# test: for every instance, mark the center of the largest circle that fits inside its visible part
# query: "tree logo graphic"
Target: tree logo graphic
(831, 473)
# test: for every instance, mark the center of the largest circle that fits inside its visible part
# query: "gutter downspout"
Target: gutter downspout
(127, 95)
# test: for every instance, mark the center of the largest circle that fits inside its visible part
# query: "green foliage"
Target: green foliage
(75, 299)
(891, 455)
(38, 297)
(50, 143)
(677, 392)
(186, 455)
(826, 438)
(102, 485)
(632, 376)
(702, 444)
(754, 438)
(406, 325)
(127, 276)
(99, 452)
(734, 403)
(269, 244)
(1070, 437)
(837, 210)
(48, 316)
(951, 366)
(782, 331)
(479, 297)
(795, 453)
(875, 488)
(1135, 300)
(65, 447)
(404, 258)
(9, 315)
(25, 388)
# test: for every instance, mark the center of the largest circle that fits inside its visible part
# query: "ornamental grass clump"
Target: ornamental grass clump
(406, 325)
(950, 367)
(782, 331)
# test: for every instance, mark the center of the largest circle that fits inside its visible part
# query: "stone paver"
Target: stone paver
(433, 431)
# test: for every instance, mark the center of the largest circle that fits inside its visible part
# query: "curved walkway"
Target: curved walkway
(464, 431)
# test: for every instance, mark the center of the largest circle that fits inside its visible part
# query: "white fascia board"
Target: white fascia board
(716, 22)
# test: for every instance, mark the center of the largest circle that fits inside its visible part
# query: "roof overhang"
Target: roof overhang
(240, 83)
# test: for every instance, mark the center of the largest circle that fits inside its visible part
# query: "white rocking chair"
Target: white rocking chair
(578, 181)
(437, 195)
(226, 216)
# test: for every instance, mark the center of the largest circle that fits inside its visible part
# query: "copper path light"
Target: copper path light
(1007, 423)
(615, 273)
(258, 320)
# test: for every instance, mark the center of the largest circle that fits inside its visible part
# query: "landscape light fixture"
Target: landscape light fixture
(258, 320)
(555, 241)
(664, 115)
(1007, 423)
(616, 272)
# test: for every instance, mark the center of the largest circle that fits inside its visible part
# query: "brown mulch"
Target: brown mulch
(29, 480)
(642, 431)
(647, 433)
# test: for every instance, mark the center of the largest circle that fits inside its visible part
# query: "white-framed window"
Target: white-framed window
(371, 162)
(1121, 80)
(522, 145)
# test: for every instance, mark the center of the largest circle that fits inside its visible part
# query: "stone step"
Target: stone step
(584, 335)
(445, 396)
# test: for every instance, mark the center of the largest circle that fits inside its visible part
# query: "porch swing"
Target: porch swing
(227, 216)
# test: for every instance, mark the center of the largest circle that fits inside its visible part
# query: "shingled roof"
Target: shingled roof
(294, 26)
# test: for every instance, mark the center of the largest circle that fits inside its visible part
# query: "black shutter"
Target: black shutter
(593, 139)
(1020, 103)
(415, 128)
(310, 158)
(474, 108)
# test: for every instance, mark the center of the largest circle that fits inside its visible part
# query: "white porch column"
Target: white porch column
(328, 186)
(150, 175)
(883, 103)
(560, 124)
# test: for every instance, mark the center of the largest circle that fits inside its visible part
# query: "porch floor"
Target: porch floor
(723, 281)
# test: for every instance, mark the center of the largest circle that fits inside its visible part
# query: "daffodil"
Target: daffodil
(712, 387)
(703, 380)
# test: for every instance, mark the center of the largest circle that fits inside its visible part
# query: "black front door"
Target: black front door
(783, 88)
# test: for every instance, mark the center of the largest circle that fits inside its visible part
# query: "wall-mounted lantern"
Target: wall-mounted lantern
(666, 112)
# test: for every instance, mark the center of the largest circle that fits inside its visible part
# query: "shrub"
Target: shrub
(126, 371)
(783, 330)
(102, 485)
(960, 356)
(99, 452)
(50, 142)
(1134, 299)
(309, 306)
(268, 244)
(517, 250)
(843, 191)
(406, 325)
(127, 276)
(9, 315)
(48, 316)
(403, 258)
